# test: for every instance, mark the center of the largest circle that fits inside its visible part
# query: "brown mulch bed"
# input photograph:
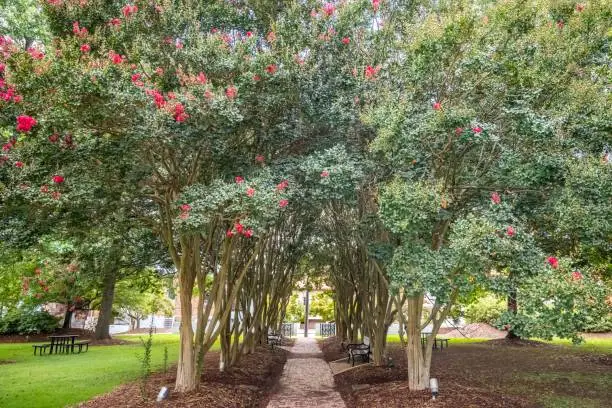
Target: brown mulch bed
(248, 384)
(493, 374)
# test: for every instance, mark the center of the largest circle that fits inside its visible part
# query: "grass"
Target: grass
(60, 380)
(589, 345)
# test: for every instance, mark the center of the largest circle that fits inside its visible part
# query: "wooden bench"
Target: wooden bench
(42, 348)
(80, 345)
(359, 349)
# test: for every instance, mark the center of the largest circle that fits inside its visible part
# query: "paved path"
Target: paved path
(307, 380)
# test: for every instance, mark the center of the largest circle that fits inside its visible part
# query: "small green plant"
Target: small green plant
(145, 363)
(165, 360)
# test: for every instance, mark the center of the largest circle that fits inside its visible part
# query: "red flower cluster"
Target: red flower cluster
(25, 123)
(458, 131)
(250, 192)
(283, 203)
(329, 9)
(271, 69)
(249, 34)
(553, 262)
(114, 22)
(85, 48)
(231, 92)
(239, 229)
(185, 208)
(116, 58)
(57, 179)
(324, 173)
(282, 185)
(256, 78)
(10, 93)
(510, 231)
(79, 31)
(136, 80)
(495, 198)
(201, 78)
(259, 158)
(576, 275)
(580, 7)
(179, 113)
(346, 40)
(476, 129)
(19, 164)
(54, 138)
(375, 4)
(128, 10)
(239, 179)
(35, 54)
(370, 71)
(271, 37)
(437, 106)
(158, 98)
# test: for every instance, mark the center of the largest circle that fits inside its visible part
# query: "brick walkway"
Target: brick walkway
(307, 380)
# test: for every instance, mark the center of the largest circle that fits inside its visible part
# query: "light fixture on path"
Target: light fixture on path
(433, 385)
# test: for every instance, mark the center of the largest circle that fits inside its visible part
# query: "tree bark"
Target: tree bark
(512, 309)
(106, 307)
(67, 318)
(418, 370)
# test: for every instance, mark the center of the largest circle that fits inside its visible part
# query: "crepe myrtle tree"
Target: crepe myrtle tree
(480, 110)
(193, 116)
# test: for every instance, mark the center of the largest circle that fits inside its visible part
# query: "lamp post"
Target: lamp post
(306, 310)
(433, 385)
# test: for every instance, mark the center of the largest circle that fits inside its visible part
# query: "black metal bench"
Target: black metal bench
(359, 349)
(437, 341)
(275, 339)
(42, 348)
(80, 345)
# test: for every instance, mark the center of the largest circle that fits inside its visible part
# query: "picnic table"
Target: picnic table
(62, 343)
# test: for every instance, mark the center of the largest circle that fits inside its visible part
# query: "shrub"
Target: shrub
(486, 309)
(27, 321)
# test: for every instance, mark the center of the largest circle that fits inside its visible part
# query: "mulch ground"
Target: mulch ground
(492, 374)
(248, 384)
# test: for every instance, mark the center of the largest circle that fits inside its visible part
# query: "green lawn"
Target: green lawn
(60, 380)
(589, 345)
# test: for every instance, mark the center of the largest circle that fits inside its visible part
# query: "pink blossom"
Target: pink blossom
(576, 275)
(57, 179)
(553, 262)
(346, 40)
(476, 129)
(437, 106)
(239, 179)
(495, 197)
(239, 227)
(259, 158)
(271, 37)
(201, 78)
(329, 9)
(282, 185)
(250, 192)
(375, 4)
(35, 54)
(580, 7)
(458, 131)
(128, 10)
(229, 233)
(19, 164)
(248, 233)
(85, 48)
(271, 69)
(231, 92)
(184, 215)
(325, 173)
(510, 231)
(114, 22)
(185, 207)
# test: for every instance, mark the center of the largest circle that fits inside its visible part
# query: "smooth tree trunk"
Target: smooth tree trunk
(106, 307)
(186, 370)
(419, 360)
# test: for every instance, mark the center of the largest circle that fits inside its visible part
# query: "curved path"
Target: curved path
(307, 380)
